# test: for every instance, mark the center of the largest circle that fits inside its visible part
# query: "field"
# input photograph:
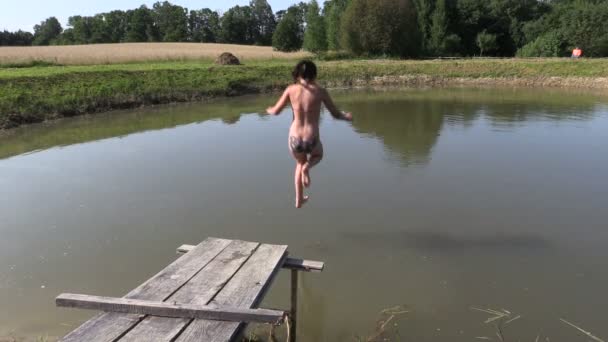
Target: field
(97, 78)
(135, 52)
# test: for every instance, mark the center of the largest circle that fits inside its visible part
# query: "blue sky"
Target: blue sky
(24, 14)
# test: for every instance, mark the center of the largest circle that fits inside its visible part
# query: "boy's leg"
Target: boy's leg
(315, 158)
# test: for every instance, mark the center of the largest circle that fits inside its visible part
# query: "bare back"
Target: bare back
(306, 100)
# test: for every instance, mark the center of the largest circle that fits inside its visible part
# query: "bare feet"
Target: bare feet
(305, 177)
(300, 203)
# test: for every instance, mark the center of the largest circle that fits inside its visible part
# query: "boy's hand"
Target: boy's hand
(347, 116)
(270, 111)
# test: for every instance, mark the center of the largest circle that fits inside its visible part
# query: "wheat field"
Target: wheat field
(136, 52)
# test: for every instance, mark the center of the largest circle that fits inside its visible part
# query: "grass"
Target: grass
(41, 91)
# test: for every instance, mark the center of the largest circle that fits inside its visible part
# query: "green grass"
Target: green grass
(40, 91)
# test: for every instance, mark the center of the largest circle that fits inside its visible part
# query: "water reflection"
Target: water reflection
(121, 123)
(408, 123)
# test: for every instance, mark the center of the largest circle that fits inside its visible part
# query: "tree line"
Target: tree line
(395, 28)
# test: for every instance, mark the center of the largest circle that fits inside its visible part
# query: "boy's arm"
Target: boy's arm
(333, 110)
(276, 110)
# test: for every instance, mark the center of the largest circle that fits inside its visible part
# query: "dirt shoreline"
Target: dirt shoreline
(440, 81)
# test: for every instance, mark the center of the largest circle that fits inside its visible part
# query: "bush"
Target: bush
(550, 44)
(486, 42)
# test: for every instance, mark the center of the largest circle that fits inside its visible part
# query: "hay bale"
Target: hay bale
(227, 58)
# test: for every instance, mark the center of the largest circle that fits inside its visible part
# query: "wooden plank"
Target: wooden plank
(163, 309)
(246, 289)
(199, 291)
(290, 263)
(304, 265)
(107, 327)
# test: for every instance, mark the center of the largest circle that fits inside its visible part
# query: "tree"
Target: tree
(237, 26)
(140, 27)
(486, 42)
(473, 17)
(439, 28)
(47, 31)
(263, 20)
(287, 37)
(18, 38)
(117, 26)
(569, 24)
(424, 10)
(333, 12)
(171, 21)
(381, 27)
(315, 38)
(204, 26)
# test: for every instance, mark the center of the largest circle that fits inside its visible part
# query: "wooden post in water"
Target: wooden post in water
(294, 306)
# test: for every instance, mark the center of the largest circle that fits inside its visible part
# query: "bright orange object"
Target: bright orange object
(576, 53)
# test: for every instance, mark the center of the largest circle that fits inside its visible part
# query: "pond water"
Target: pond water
(438, 200)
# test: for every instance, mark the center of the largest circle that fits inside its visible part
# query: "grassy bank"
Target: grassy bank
(38, 93)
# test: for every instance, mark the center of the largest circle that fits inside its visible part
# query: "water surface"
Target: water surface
(439, 200)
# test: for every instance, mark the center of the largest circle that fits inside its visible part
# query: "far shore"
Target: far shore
(40, 92)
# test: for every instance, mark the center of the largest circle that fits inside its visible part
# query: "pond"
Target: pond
(439, 201)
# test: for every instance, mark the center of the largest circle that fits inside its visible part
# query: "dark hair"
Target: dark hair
(306, 70)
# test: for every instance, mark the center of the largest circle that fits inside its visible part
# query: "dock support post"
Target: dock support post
(294, 306)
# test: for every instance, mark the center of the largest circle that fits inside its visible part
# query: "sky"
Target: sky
(24, 14)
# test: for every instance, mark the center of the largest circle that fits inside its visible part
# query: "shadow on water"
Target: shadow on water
(450, 243)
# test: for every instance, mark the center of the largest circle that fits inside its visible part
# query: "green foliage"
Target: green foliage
(315, 38)
(140, 27)
(288, 35)
(439, 28)
(237, 26)
(116, 25)
(333, 12)
(381, 28)
(18, 38)
(204, 26)
(171, 21)
(264, 22)
(486, 42)
(47, 31)
(403, 28)
(451, 45)
(550, 44)
(424, 9)
(569, 24)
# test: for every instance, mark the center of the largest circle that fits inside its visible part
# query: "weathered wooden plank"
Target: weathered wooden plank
(164, 309)
(304, 265)
(246, 289)
(199, 290)
(107, 327)
(290, 263)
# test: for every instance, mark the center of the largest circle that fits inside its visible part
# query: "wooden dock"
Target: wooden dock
(209, 294)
